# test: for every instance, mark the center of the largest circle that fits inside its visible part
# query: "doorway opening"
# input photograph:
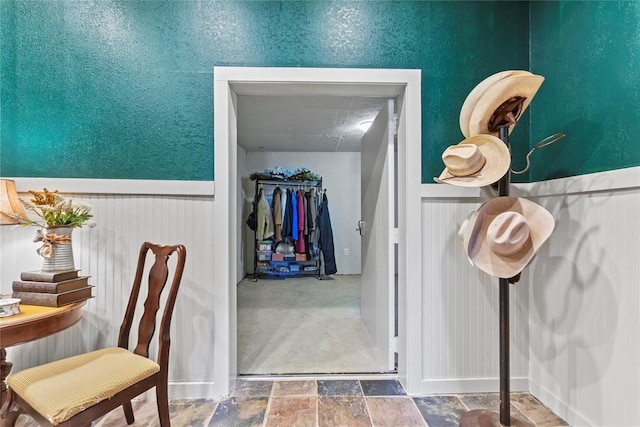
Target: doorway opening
(345, 322)
(403, 85)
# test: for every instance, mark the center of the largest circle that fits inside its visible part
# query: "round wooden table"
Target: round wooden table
(33, 322)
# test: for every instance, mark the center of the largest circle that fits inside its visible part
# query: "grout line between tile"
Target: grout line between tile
(521, 411)
(366, 406)
(462, 401)
(317, 407)
(209, 419)
(267, 409)
(415, 405)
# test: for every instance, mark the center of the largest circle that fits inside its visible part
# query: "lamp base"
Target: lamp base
(487, 418)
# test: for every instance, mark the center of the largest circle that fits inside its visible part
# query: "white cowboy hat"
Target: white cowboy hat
(473, 97)
(506, 234)
(512, 94)
(475, 162)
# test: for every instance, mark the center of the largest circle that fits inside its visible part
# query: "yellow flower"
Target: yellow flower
(55, 210)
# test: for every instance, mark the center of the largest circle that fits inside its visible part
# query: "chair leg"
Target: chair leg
(9, 412)
(128, 412)
(162, 399)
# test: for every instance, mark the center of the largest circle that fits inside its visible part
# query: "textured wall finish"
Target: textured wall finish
(590, 55)
(123, 89)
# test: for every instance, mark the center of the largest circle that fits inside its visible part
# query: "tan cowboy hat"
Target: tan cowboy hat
(473, 97)
(475, 162)
(509, 89)
(506, 234)
(464, 232)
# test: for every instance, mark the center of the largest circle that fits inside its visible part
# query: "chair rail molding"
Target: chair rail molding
(118, 186)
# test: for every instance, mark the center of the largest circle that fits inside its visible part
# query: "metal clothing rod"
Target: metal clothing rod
(292, 183)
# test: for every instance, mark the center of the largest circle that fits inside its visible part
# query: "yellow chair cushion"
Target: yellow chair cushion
(59, 390)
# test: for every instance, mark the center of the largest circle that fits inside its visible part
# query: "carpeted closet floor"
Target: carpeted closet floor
(302, 326)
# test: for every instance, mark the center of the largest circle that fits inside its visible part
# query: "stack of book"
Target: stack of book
(51, 288)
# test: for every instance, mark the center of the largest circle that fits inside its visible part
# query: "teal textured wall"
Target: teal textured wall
(589, 53)
(124, 89)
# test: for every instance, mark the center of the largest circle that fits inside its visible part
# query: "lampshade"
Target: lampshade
(9, 202)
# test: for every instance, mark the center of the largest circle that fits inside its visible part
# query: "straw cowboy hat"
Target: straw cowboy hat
(506, 234)
(498, 100)
(472, 99)
(475, 162)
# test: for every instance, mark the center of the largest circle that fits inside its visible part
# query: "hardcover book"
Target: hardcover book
(50, 287)
(49, 276)
(54, 300)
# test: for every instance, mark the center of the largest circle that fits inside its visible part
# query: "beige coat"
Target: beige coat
(264, 227)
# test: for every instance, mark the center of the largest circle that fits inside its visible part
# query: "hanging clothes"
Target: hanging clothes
(288, 215)
(308, 222)
(311, 221)
(326, 237)
(276, 208)
(315, 241)
(300, 246)
(294, 220)
(283, 201)
(264, 228)
(305, 202)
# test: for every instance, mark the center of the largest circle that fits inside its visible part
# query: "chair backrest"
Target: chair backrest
(157, 279)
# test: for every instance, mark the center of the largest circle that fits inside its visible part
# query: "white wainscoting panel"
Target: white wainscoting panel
(574, 316)
(108, 253)
(584, 299)
(460, 309)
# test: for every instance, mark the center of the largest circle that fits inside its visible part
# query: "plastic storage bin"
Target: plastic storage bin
(264, 255)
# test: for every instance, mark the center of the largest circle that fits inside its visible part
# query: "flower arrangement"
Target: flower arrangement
(54, 210)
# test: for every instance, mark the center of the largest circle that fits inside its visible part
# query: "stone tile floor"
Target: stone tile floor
(339, 402)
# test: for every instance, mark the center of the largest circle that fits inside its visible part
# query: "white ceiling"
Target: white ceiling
(307, 123)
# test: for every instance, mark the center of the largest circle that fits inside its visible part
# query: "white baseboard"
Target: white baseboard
(192, 390)
(471, 385)
(559, 407)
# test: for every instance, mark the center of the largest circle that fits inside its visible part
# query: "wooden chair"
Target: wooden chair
(79, 389)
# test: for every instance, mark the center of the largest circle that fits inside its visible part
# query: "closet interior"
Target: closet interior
(289, 322)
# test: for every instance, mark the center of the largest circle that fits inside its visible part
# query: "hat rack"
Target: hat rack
(503, 297)
(491, 110)
(546, 141)
(486, 417)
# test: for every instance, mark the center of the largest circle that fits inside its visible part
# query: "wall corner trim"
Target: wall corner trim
(558, 405)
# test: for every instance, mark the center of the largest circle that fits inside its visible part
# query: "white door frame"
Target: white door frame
(232, 81)
(376, 226)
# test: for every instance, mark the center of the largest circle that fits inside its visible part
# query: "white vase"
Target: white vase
(61, 252)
